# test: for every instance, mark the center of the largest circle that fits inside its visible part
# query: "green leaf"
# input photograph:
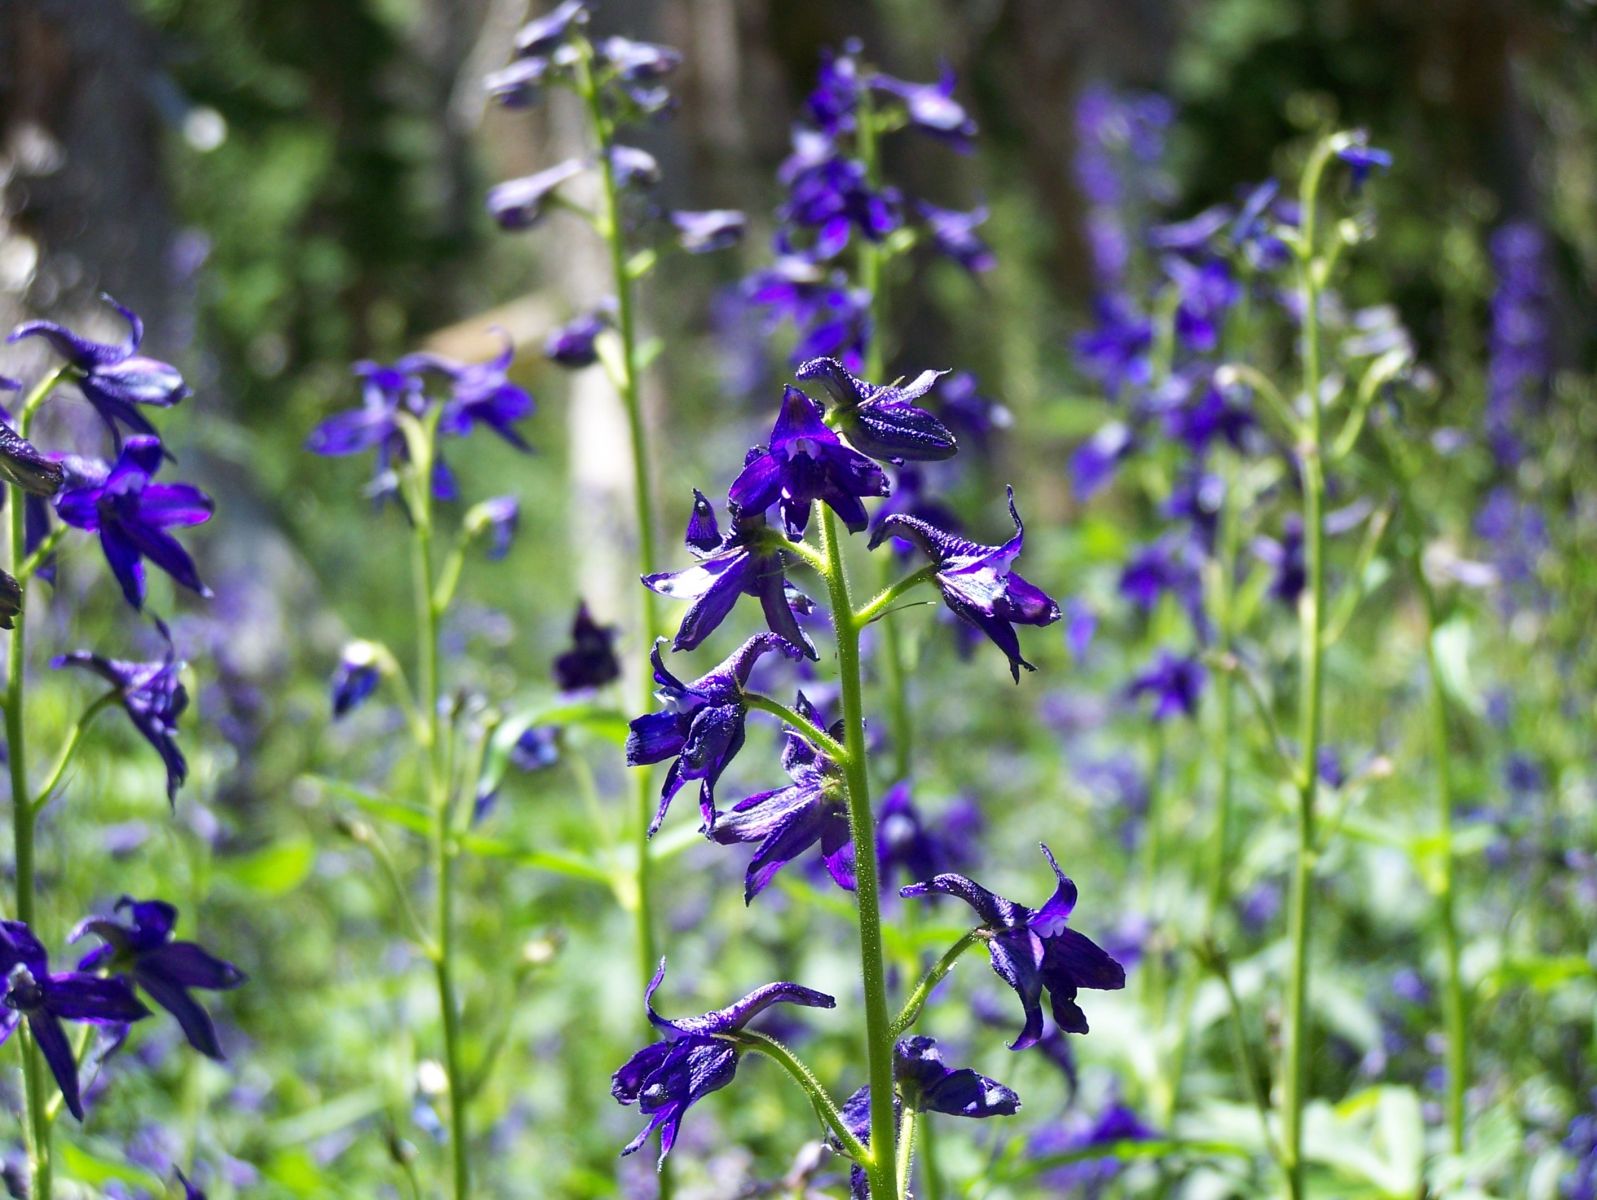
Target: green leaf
(85, 1166)
(274, 870)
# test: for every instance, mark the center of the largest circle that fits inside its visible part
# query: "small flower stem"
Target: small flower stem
(906, 1146)
(883, 1168)
(441, 842)
(36, 1125)
(825, 1108)
(883, 600)
(910, 1013)
(823, 741)
(69, 749)
(1311, 609)
(608, 222)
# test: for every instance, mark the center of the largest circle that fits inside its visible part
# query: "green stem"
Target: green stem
(931, 1177)
(906, 1146)
(879, 603)
(36, 1126)
(910, 1013)
(69, 749)
(442, 846)
(883, 1168)
(608, 222)
(1311, 607)
(823, 741)
(825, 1108)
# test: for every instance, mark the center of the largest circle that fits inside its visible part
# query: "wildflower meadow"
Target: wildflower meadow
(911, 600)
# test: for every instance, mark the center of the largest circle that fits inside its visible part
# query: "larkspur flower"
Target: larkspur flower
(1115, 351)
(574, 344)
(926, 1084)
(1361, 158)
(1094, 462)
(543, 34)
(954, 234)
(518, 204)
(804, 462)
(1204, 294)
(1174, 681)
(535, 749)
(25, 467)
(710, 230)
(634, 168)
(1088, 1178)
(1033, 949)
(1285, 557)
(1195, 235)
(978, 582)
(356, 677)
(115, 379)
(918, 847)
(591, 661)
(132, 515)
(480, 393)
(788, 821)
(500, 517)
(973, 415)
(882, 420)
(141, 947)
(702, 726)
(931, 107)
(696, 1058)
(30, 992)
(831, 105)
(747, 561)
(829, 195)
(153, 696)
(1170, 566)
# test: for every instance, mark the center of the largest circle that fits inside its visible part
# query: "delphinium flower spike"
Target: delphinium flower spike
(696, 1058)
(141, 946)
(702, 726)
(1033, 949)
(977, 581)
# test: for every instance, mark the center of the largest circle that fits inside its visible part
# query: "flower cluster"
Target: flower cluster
(833, 197)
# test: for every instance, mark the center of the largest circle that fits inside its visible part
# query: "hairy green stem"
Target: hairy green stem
(822, 1101)
(910, 1013)
(610, 228)
(24, 815)
(440, 803)
(822, 740)
(1311, 612)
(883, 1168)
(69, 748)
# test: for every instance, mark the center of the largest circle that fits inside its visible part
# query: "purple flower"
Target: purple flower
(696, 1058)
(788, 821)
(882, 420)
(931, 107)
(965, 409)
(591, 661)
(701, 727)
(634, 168)
(543, 34)
(356, 677)
(907, 842)
(1087, 1178)
(1204, 295)
(479, 394)
(832, 318)
(153, 696)
(132, 514)
(831, 105)
(1034, 949)
(1093, 464)
(33, 994)
(954, 234)
(1192, 236)
(191, 1191)
(1169, 564)
(1207, 409)
(748, 561)
(24, 467)
(573, 344)
(165, 970)
(1519, 344)
(977, 581)
(804, 462)
(928, 1085)
(499, 516)
(518, 204)
(1286, 557)
(1361, 157)
(115, 379)
(713, 229)
(1115, 351)
(1175, 682)
(828, 194)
